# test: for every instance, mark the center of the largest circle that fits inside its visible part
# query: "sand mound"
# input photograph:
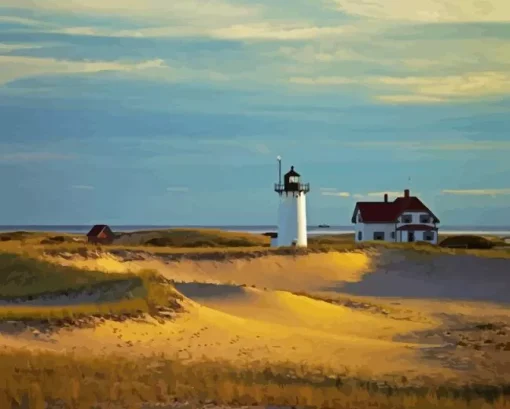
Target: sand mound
(299, 312)
(386, 272)
(440, 276)
(294, 273)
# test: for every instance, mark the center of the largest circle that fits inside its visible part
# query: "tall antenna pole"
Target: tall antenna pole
(279, 159)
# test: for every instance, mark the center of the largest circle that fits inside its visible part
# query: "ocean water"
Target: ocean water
(312, 230)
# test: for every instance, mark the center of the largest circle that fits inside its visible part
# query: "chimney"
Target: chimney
(386, 198)
(406, 193)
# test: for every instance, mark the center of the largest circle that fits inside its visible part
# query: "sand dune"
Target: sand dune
(436, 276)
(299, 273)
(408, 334)
(385, 273)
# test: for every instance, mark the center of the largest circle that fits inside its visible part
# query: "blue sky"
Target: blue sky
(173, 112)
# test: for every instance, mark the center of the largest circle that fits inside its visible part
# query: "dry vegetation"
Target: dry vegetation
(216, 244)
(24, 279)
(32, 380)
(65, 381)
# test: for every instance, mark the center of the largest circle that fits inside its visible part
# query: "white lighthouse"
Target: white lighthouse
(292, 211)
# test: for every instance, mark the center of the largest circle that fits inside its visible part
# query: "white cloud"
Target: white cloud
(381, 194)
(34, 157)
(13, 67)
(465, 85)
(23, 21)
(331, 191)
(337, 194)
(7, 48)
(277, 32)
(476, 192)
(156, 10)
(430, 11)
(83, 187)
(409, 99)
(328, 81)
(422, 89)
(255, 31)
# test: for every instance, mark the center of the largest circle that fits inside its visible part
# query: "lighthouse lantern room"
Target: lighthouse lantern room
(292, 209)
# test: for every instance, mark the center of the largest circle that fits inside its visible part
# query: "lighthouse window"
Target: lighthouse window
(293, 179)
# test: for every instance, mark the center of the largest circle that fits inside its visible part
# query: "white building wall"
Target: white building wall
(368, 230)
(418, 236)
(415, 218)
(302, 234)
(292, 220)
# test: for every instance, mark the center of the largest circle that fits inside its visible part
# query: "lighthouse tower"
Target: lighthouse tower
(292, 211)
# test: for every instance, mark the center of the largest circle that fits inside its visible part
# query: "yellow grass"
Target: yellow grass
(21, 276)
(81, 383)
(42, 312)
(217, 244)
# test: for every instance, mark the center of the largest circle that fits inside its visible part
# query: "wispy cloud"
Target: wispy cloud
(178, 189)
(259, 31)
(392, 194)
(409, 99)
(83, 187)
(330, 191)
(34, 157)
(7, 48)
(13, 67)
(424, 89)
(477, 192)
(284, 32)
(379, 196)
(430, 11)
(155, 10)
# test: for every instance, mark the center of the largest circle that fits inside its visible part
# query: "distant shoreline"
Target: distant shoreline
(257, 229)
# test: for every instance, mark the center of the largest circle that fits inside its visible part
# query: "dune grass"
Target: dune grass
(217, 244)
(25, 278)
(22, 276)
(36, 379)
(49, 313)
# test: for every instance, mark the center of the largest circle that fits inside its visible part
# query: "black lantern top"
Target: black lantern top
(291, 183)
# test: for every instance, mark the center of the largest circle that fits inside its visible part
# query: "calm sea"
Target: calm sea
(312, 230)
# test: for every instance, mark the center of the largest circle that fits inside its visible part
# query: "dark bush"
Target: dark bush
(467, 242)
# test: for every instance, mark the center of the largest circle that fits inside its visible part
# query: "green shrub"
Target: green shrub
(467, 242)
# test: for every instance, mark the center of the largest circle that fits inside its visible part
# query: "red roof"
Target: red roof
(416, 227)
(96, 230)
(388, 212)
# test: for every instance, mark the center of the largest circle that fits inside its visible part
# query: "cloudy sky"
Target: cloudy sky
(173, 112)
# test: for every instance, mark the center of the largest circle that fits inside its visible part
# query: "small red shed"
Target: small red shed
(101, 234)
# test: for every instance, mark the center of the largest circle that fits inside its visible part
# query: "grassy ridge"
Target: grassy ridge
(216, 243)
(42, 312)
(117, 382)
(24, 278)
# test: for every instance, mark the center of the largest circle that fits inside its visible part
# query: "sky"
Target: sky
(173, 112)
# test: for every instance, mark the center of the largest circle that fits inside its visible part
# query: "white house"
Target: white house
(406, 219)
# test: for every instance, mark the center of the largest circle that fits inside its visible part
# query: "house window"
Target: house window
(293, 179)
(428, 236)
(360, 236)
(392, 234)
(379, 235)
(424, 218)
(407, 219)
